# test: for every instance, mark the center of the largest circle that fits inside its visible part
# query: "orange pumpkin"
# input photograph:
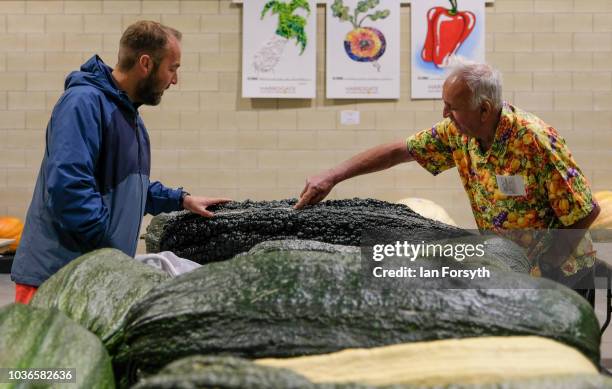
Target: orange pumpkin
(11, 228)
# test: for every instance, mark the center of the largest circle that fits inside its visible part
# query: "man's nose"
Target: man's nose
(446, 112)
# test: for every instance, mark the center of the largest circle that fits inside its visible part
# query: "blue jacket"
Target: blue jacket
(93, 186)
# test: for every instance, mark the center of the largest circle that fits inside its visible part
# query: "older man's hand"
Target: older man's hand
(198, 204)
(316, 189)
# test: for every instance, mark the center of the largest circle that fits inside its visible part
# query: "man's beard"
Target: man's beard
(147, 90)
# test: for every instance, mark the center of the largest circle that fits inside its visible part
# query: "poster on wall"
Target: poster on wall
(441, 29)
(363, 49)
(279, 48)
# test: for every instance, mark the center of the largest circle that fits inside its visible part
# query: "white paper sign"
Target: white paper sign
(439, 31)
(511, 185)
(349, 118)
(279, 49)
(363, 50)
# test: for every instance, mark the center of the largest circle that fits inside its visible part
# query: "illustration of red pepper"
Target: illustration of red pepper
(447, 29)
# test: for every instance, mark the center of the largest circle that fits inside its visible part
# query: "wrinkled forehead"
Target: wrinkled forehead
(173, 51)
(455, 89)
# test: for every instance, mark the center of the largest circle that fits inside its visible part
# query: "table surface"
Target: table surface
(4, 243)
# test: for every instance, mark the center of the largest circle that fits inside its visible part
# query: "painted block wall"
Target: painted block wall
(556, 57)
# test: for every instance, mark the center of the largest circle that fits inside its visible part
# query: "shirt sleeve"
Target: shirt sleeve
(163, 199)
(568, 190)
(432, 149)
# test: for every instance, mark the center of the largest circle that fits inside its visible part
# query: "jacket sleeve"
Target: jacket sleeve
(163, 199)
(73, 145)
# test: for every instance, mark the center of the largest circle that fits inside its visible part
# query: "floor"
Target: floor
(7, 295)
(7, 290)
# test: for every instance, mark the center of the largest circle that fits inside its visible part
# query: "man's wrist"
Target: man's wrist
(184, 194)
(335, 176)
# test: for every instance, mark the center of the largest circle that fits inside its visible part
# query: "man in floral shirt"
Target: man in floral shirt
(517, 171)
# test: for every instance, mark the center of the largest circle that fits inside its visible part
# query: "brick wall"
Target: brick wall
(556, 56)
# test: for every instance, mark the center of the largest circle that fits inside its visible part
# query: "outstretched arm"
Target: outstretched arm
(372, 160)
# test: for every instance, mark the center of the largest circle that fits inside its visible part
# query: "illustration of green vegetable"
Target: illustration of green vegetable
(290, 26)
(362, 44)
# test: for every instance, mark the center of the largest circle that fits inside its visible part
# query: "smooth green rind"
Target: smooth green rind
(293, 303)
(97, 289)
(42, 338)
(500, 254)
(215, 372)
(233, 373)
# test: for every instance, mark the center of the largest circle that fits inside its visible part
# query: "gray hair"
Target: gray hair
(484, 81)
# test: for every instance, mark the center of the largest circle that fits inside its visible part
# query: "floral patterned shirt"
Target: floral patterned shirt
(556, 193)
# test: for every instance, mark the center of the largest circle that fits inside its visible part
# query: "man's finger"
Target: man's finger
(299, 204)
(206, 213)
(319, 198)
(305, 189)
(219, 200)
(304, 199)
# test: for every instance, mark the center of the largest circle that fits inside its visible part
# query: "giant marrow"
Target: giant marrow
(234, 373)
(238, 226)
(35, 338)
(292, 303)
(442, 362)
(97, 289)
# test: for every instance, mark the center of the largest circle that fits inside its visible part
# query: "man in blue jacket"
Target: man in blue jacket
(93, 187)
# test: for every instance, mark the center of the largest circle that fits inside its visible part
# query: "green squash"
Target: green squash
(42, 338)
(238, 226)
(234, 373)
(286, 303)
(97, 289)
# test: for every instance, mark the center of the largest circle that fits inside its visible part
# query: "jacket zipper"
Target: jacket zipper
(141, 213)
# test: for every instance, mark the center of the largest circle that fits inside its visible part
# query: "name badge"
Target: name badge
(511, 185)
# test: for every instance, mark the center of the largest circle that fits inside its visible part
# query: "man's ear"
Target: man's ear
(486, 109)
(145, 63)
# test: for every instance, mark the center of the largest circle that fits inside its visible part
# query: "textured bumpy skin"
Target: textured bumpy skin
(97, 289)
(42, 338)
(238, 226)
(233, 373)
(289, 303)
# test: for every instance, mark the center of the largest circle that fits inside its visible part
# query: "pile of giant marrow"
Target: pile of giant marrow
(270, 311)
(287, 303)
